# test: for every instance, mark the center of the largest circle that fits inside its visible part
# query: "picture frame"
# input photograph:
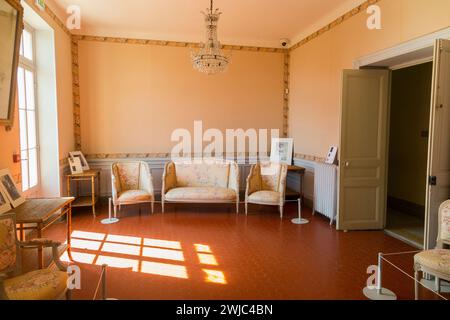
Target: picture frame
(5, 206)
(80, 155)
(9, 64)
(282, 150)
(9, 188)
(332, 155)
(75, 165)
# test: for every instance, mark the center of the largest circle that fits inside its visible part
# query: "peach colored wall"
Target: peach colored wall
(134, 96)
(316, 68)
(9, 141)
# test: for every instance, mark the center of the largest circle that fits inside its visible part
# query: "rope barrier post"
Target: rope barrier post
(300, 220)
(110, 220)
(378, 292)
(104, 295)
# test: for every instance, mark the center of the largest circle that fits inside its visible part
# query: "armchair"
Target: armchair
(436, 262)
(266, 185)
(132, 183)
(47, 284)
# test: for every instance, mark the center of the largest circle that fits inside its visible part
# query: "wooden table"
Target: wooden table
(301, 172)
(84, 201)
(40, 214)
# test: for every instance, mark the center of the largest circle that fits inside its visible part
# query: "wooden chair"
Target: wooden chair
(132, 183)
(266, 185)
(46, 284)
(436, 262)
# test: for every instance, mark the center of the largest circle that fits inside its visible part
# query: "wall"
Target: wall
(133, 96)
(316, 67)
(9, 141)
(410, 116)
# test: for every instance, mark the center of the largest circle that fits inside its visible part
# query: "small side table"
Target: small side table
(85, 201)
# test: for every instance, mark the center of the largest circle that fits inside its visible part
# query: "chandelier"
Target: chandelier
(210, 59)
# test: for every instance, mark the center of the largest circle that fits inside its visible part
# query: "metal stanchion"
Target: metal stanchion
(110, 220)
(378, 292)
(300, 220)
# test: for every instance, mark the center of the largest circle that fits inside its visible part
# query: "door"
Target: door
(363, 158)
(439, 152)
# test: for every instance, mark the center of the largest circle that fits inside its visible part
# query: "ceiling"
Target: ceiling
(243, 22)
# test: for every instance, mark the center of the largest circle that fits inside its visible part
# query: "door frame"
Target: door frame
(407, 54)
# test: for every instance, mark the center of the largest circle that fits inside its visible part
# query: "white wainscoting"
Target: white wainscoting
(157, 169)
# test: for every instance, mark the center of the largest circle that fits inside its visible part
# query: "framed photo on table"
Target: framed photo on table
(10, 189)
(282, 150)
(5, 206)
(75, 165)
(78, 154)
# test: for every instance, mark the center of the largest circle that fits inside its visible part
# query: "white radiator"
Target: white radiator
(325, 190)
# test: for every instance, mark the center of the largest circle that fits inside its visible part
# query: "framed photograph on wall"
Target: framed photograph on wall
(79, 155)
(332, 155)
(75, 165)
(282, 150)
(5, 206)
(10, 189)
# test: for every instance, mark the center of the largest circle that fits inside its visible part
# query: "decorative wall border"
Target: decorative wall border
(76, 94)
(286, 88)
(51, 14)
(335, 23)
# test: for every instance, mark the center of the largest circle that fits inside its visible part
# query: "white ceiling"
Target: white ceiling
(243, 22)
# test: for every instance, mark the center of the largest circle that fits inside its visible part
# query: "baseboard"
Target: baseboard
(408, 207)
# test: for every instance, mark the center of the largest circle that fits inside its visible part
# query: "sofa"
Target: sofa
(201, 181)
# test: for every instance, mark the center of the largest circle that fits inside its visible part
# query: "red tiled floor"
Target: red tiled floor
(254, 257)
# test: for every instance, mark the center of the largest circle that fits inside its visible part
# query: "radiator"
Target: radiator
(325, 190)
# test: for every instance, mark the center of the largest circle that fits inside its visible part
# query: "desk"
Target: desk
(42, 213)
(301, 172)
(88, 201)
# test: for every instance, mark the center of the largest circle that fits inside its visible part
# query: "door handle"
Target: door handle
(347, 164)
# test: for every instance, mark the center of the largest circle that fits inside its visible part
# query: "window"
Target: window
(26, 78)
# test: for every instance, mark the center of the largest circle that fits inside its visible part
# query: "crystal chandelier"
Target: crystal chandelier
(210, 59)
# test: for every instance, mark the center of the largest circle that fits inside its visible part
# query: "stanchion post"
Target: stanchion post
(380, 271)
(104, 295)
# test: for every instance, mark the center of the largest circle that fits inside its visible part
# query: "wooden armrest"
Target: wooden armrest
(38, 243)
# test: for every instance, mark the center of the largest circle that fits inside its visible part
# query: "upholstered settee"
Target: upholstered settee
(201, 181)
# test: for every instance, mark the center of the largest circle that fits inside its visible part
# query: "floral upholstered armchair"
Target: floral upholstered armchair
(436, 262)
(132, 183)
(46, 284)
(266, 185)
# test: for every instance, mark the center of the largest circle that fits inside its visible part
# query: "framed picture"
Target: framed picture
(75, 165)
(78, 154)
(332, 155)
(10, 189)
(282, 151)
(5, 206)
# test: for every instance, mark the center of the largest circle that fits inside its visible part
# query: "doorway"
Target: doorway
(411, 89)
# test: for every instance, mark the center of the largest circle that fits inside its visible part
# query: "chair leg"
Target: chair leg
(237, 207)
(153, 207)
(246, 209)
(281, 211)
(438, 285)
(162, 206)
(416, 284)
(115, 211)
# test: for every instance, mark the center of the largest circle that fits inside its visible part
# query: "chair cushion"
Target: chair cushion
(265, 197)
(206, 194)
(438, 260)
(7, 244)
(134, 196)
(37, 285)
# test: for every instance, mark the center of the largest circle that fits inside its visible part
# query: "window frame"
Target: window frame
(30, 66)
